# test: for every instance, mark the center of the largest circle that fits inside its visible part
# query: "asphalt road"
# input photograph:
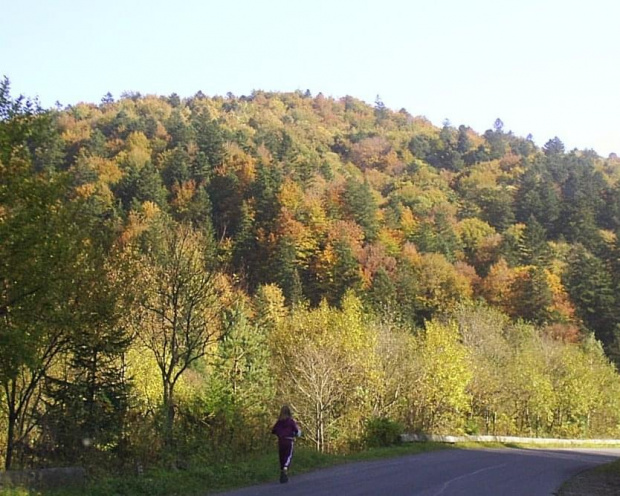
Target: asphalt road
(484, 472)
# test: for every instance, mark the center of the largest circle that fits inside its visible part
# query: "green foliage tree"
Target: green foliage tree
(533, 247)
(209, 137)
(531, 295)
(482, 331)
(88, 403)
(37, 246)
(360, 206)
(537, 198)
(590, 287)
(382, 292)
(437, 235)
(496, 139)
(287, 273)
(554, 147)
(529, 387)
(242, 388)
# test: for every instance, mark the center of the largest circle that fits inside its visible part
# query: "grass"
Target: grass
(205, 479)
(603, 480)
(17, 491)
(612, 468)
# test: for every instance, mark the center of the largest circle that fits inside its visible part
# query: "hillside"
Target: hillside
(168, 262)
(320, 195)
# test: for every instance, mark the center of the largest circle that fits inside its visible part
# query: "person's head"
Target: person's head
(285, 412)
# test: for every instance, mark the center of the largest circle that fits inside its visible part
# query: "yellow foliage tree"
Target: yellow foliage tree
(324, 358)
(439, 399)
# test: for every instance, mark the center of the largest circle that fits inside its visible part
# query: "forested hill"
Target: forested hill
(172, 270)
(319, 196)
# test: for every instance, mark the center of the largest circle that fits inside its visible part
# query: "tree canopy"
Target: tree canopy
(166, 262)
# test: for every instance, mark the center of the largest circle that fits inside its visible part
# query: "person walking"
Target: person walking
(287, 430)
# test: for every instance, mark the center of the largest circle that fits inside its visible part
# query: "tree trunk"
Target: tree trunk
(169, 415)
(10, 442)
(12, 423)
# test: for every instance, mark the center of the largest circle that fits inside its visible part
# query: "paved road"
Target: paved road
(485, 472)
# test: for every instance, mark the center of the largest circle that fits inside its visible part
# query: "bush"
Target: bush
(382, 432)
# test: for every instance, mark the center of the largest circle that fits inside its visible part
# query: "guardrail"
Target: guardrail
(411, 438)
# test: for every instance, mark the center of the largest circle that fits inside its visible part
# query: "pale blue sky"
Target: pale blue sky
(546, 67)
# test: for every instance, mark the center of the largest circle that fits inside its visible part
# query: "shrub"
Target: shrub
(382, 432)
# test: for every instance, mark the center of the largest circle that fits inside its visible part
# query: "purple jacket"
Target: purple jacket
(285, 429)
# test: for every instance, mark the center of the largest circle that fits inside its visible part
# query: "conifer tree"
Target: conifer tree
(382, 292)
(532, 296)
(88, 404)
(287, 272)
(590, 287)
(360, 205)
(533, 247)
(38, 244)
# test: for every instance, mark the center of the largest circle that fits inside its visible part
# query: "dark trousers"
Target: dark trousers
(285, 450)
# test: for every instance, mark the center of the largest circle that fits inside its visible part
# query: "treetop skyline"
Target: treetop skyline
(545, 68)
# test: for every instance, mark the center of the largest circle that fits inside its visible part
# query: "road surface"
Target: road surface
(481, 472)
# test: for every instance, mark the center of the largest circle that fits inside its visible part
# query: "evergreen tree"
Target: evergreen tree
(444, 152)
(140, 185)
(241, 386)
(175, 167)
(537, 197)
(346, 272)
(532, 296)
(533, 246)
(360, 205)
(265, 191)
(382, 292)
(245, 245)
(88, 406)
(227, 200)
(463, 143)
(496, 208)
(590, 287)
(287, 273)
(554, 147)
(497, 140)
(209, 137)
(39, 242)
(180, 131)
(437, 236)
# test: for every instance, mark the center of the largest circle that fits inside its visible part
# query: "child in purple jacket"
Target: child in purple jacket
(286, 429)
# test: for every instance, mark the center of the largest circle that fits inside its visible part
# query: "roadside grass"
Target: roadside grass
(612, 468)
(15, 491)
(206, 479)
(603, 480)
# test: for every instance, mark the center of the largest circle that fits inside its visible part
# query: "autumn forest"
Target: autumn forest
(173, 270)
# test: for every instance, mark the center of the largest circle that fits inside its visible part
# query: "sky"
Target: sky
(544, 67)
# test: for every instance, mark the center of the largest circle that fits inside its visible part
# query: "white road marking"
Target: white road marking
(446, 484)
